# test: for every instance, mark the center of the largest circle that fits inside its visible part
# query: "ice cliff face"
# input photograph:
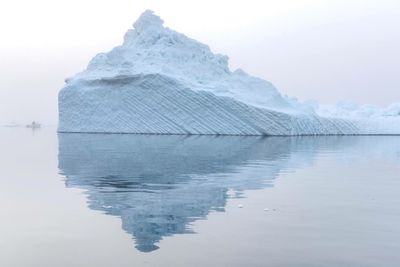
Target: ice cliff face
(160, 81)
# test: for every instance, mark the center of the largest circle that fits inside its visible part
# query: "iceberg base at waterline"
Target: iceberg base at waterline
(161, 82)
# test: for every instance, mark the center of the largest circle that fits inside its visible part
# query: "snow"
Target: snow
(351, 109)
(160, 81)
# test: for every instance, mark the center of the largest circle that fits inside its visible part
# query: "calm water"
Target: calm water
(137, 200)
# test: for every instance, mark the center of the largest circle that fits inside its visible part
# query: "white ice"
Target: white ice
(160, 81)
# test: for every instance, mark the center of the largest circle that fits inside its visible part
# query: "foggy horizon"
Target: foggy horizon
(329, 52)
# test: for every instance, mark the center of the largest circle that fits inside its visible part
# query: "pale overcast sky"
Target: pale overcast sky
(327, 50)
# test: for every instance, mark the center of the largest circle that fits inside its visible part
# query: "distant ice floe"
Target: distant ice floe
(161, 82)
(11, 124)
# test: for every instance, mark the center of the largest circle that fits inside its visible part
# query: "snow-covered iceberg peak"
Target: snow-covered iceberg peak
(147, 20)
(161, 81)
(152, 48)
(148, 25)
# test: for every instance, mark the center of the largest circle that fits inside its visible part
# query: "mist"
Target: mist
(323, 50)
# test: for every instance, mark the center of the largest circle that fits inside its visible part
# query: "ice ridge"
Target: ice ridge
(160, 81)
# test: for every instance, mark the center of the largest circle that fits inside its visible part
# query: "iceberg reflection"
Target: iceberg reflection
(158, 185)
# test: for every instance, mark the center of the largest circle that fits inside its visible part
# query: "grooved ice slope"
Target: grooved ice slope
(162, 82)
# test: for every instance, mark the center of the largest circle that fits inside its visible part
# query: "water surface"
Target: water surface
(132, 200)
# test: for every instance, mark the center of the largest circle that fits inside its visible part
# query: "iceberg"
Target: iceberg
(160, 81)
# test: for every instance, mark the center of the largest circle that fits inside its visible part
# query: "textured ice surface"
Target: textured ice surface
(160, 81)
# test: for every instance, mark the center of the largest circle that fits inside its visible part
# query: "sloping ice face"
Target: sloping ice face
(161, 82)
